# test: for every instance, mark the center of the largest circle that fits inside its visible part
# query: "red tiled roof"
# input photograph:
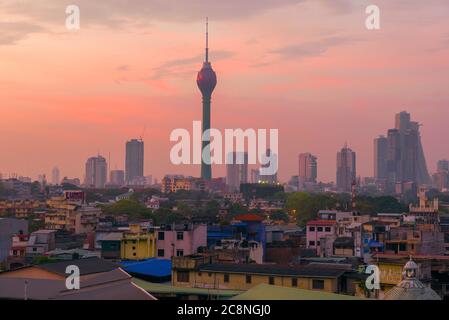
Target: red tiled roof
(249, 217)
(321, 222)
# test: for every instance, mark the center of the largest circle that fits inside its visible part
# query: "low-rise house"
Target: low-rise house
(125, 196)
(8, 228)
(138, 245)
(39, 243)
(317, 230)
(180, 240)
(171, 184)
(239, 251)
(415, 240)
(203, 272)
(17, 253)
(75, 218)
(233, 197)
(111, 246)
(19, 208)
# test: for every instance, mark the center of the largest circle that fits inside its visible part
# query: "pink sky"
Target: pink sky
(309, 68)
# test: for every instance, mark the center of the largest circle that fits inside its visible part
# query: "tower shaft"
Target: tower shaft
(206, 168)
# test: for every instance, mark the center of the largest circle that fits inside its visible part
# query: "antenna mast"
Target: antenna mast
(207, 39)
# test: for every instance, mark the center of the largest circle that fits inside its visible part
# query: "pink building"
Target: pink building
(180, 240)
(317, 230)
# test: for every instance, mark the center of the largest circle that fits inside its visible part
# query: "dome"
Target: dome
(410, 288)
(206, 79)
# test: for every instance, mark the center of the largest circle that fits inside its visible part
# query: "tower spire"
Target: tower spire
(207, 39)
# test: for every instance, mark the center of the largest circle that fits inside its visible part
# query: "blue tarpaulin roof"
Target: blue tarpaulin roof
(150, 267)
(221, 235)
(375, 244)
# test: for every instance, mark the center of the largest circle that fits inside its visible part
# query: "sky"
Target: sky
(309, 68)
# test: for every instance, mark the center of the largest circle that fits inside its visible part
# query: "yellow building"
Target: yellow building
(171, 184)
(138, 244)
(19, 208)
(201, 272)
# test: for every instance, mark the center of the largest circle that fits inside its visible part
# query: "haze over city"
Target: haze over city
(317, 74)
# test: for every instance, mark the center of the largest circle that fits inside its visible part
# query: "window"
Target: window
(318, 243)
(179, 253)
(311, 243)
(160, 253)
(311, 229)
(209, 274)
(248, 279)
(294, 282)
(34, 249)
(180, 235)
(182, 276)
(318, 284)
(328, 229)
(161, 235)
(320, 229)
(134, 248)
(134, 254)
(271, 280)
(226, 277)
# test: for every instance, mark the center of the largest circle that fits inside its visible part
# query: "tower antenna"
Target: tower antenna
(207, 39)
(143, 132)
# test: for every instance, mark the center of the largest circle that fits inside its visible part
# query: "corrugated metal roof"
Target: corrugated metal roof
(269, 269)
(269, 292)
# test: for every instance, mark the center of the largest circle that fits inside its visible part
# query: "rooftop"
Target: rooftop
(269, 292)
(271, 269)
(321, 223)
(150, 267)
(86, 266)
(249, 217)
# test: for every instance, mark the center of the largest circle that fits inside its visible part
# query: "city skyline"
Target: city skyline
(319, 79)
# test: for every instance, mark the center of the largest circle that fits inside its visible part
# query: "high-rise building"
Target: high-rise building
(269, 178)
(134, 161)
(443, 166)
(255, 176)
(73, 181)
(236, 170)
(440, 179)
(55, 176)
(307, 167)
(96, 172)
(117, 178)
(42, 179)
(346, 169)
(380, 157)
(405, 160)
(206, 81)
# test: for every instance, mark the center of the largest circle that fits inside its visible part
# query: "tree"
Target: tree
(279, 215)
(305, 206)
(130, 207)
